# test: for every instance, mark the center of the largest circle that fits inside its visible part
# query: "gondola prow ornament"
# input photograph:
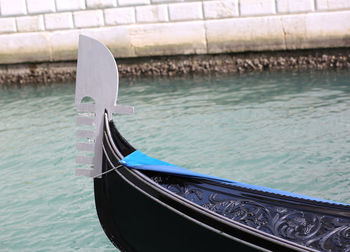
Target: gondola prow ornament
(97, 79)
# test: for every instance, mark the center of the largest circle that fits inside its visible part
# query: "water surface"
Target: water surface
(283, 130)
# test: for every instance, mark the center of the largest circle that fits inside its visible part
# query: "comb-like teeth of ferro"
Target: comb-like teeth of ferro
(123, 110)
(84, 120)
(86, 107)
(86, 116)
(85, 147)
(84, 160)
(85, 134)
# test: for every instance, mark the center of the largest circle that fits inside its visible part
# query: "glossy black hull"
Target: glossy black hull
(149, 211)
(132, 228)
(136, 217)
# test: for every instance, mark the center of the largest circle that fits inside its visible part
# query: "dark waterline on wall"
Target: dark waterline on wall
(300, 60)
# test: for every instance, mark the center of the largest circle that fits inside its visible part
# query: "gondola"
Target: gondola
(145, 204)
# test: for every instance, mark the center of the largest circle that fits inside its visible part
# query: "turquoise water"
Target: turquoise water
(284, 130)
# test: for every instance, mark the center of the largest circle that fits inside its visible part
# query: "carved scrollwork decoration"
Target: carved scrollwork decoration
(187, 192)
(311, 229)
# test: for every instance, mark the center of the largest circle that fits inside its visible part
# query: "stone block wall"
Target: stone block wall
(48, 30)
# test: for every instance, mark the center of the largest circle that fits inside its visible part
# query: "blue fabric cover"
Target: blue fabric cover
(139, 161)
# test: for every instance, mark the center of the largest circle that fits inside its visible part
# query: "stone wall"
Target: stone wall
(48, 30)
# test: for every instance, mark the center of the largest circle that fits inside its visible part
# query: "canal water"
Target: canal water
(289, 131)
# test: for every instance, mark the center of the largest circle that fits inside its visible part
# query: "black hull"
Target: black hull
(150, 211)
(159, 228)
(136, 217)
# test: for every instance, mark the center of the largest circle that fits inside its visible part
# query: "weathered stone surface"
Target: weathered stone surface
(257, 7)
(59, 21)
(90, 18)
(13, 7)
(238, 35)
(30, 23)
(70, 5)
(7, 25)
(24, 47)
(292, 6)
(127, 39)
(167, 39)
(315, 30)
(117, 39)
(95, 4)
(132, 2)
(220, 9)
(119, 16)
(185, 11)
(294, 31)
(328, 30)
(39, 6)
(165, 1)
(151, 14)
(64, 45)
(332, 4)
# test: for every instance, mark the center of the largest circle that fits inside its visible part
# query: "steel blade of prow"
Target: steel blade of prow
(97, 80)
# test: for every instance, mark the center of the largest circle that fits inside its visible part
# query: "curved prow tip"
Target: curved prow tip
(97, 79)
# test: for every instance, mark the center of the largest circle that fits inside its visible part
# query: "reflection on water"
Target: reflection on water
(284, 130)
